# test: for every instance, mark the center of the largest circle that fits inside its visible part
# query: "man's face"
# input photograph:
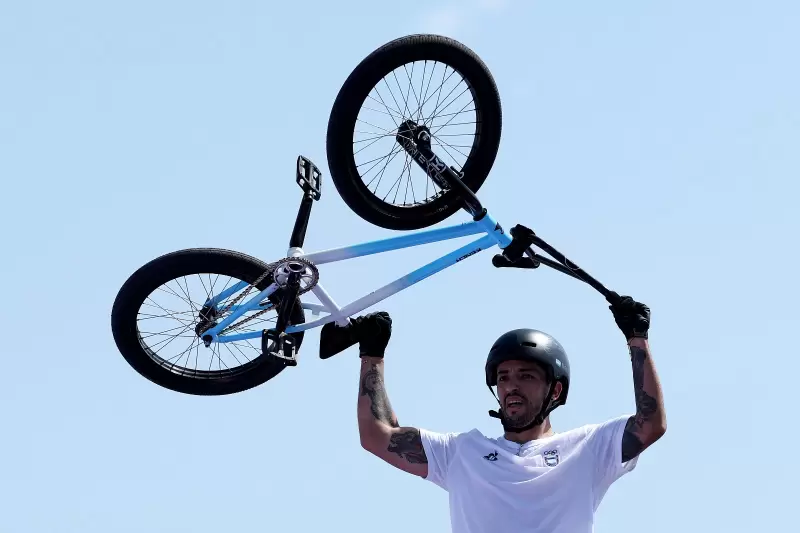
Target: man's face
(522, 388)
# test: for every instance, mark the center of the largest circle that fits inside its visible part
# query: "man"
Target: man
(531, 479)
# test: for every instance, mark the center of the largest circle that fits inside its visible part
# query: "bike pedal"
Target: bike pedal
(285, 348)
(309, 177)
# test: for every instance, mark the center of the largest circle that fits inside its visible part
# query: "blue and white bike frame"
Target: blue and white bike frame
(492, 232)
(482, 223)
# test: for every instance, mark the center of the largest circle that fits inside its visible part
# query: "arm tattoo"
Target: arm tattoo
(646, 406)
(408, 445)
(631, 445)
(372, 386)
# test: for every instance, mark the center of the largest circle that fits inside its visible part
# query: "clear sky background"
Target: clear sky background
(655, 143)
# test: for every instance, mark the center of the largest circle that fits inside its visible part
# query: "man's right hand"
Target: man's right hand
(373, 332)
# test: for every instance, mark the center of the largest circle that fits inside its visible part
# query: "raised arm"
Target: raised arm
(380, 432)
(650, 421)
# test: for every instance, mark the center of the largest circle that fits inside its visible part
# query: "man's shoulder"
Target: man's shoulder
(609, 424)
(454, 436)
(455, 439)
(576, 435)
(592, 430)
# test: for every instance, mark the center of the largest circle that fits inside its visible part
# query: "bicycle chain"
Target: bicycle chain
(270, 269)
(248, 319)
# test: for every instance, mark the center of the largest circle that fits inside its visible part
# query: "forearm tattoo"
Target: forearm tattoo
(372, 387)
(408, 445)
(646, 406)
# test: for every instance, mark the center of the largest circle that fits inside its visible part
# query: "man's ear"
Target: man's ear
(557, 390)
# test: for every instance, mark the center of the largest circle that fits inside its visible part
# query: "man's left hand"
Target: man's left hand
(632, 317)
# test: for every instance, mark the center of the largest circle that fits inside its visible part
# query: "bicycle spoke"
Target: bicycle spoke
(445, 149)
(399, 114)
(390, 155)
(376, 159)
(391, 112)
(394, 154)
(438, 91)
(167, 322)
(390, 92)
(175, 293)
(393, 136)
(180, 355)
(425, 93)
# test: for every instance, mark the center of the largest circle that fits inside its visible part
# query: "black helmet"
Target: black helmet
(537, 347)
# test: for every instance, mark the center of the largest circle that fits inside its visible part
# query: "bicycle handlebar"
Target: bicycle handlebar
(522, 240)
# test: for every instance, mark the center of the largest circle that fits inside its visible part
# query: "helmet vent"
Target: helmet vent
(527, 343)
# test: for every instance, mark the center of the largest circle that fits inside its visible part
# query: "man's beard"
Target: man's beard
(523, 417)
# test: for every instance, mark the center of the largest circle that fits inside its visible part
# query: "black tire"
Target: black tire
(355, 91)
(147, 279)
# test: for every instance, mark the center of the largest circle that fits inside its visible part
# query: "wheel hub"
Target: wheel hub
(413, 138)
(206, 320)
(410, 133)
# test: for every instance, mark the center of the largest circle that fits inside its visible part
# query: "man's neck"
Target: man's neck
(536, 432)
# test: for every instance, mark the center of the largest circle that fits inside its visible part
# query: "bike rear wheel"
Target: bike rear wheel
(159, 313)
(432, 82)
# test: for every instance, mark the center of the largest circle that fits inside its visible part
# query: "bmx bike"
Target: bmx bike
(243, 319)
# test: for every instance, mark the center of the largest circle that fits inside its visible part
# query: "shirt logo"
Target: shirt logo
(491, 457)
(551, 457)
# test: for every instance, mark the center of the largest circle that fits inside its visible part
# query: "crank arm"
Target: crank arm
(284, 344)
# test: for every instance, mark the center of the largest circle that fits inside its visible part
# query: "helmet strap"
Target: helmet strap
(538, 419)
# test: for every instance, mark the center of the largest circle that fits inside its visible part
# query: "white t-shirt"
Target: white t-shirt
(551, 485)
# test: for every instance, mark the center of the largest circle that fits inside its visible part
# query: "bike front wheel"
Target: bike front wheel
(161, 311)
(419, 82)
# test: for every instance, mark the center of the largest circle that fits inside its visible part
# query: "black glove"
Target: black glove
(372, 332)
(632, 317)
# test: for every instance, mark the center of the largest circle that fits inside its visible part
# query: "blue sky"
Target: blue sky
(653, 143)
